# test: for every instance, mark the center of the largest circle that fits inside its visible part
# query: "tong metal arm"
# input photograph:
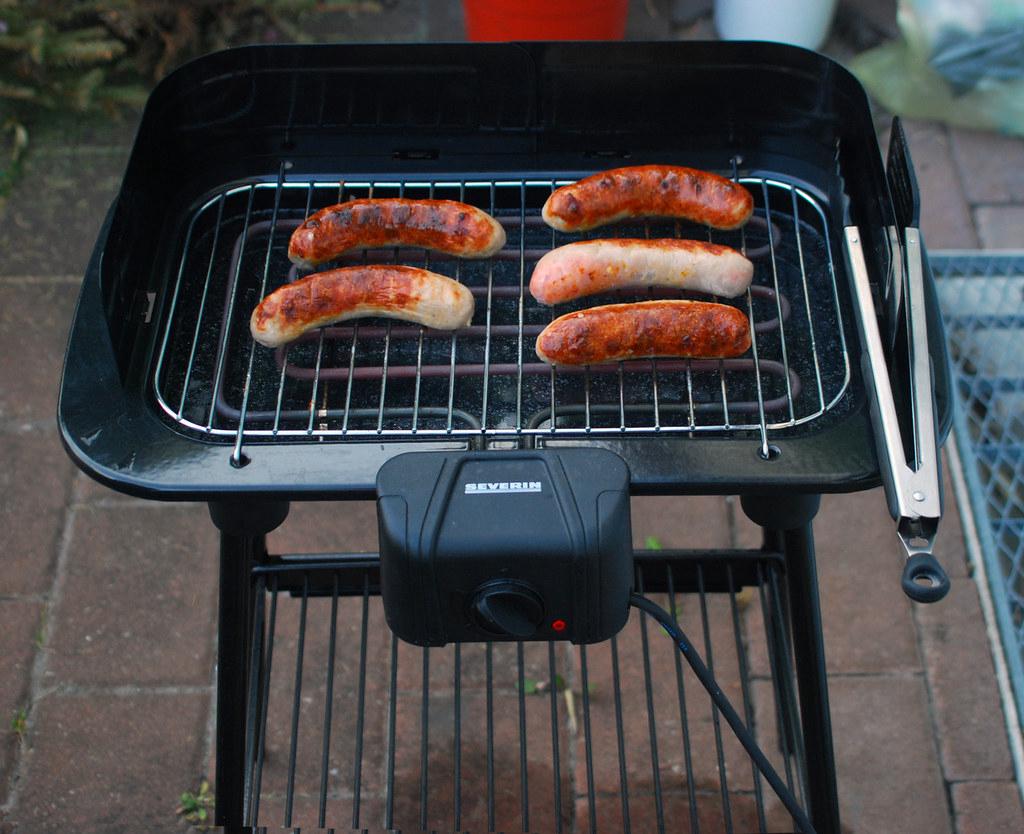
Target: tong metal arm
(912, 487)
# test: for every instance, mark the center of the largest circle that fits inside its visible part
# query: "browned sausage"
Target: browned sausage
(649, 191)
(441, 225)
(588, 267)
(690, 329)
(399, 292)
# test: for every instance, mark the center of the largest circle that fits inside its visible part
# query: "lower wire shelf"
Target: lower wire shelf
(353, 729)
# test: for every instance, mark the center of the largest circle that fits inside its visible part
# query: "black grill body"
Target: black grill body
(165, 396)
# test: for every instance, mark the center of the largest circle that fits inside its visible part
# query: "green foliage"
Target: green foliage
(19, 721)
(197, 807)
(84, 56)
(57, 55)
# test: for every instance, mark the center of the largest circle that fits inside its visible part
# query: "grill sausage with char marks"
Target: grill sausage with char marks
(398, 292)
(441, 225)
(647, 329)
(648, 191)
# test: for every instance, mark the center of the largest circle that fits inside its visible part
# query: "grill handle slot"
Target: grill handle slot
(912, 488)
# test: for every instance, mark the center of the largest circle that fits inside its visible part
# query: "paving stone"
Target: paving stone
(665, 695)
(951, 547)
(445, 22)
(767, 735)
(945, 215)
(35, 483)
(859, 558)
(887, 766)
(472, 666)
(509, 786)
(648, 21)
(49, 224)
(676, 814)
(1000, 227)
(344, 737)
(745, 534)
(19, 625)
(398, 21)
(680, 522)
(112, 763)
(34, 323)
(327, 527)
(866, 617)
(991, 166)
(305, 812)
(139, 597)
(84, 133)
(968, 715)
(982, 807)
(91, 491)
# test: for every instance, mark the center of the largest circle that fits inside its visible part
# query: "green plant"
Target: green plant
(19, 722)
(40, 636)
(57, 55)
(89, 56)
(197, 807)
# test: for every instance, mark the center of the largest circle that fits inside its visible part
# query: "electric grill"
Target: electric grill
(165, 395)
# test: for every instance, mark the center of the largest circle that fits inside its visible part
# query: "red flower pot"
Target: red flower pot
(545, 20)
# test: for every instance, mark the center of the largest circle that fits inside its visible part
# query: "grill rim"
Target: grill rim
(113, 432)
(105, 419)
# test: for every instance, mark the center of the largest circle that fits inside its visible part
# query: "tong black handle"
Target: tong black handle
(899, 171)
(924, 579)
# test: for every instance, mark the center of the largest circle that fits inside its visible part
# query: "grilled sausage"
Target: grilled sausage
(648, 191)
(593, 266)
(398, 292)
(441, 225)
(690, 329)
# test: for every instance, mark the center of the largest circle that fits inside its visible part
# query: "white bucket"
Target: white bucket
(799, 22)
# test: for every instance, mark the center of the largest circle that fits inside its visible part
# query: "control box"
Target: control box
(516, 545)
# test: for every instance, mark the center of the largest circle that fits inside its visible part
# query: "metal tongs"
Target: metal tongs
(910, 472)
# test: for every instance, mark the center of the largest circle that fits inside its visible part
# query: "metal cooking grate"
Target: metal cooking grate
(352, 727)
(388, 380)
(982, 298)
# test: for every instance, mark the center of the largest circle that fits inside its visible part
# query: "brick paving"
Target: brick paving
(107, 604)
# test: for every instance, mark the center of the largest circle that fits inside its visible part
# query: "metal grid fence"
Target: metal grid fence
(982, 299)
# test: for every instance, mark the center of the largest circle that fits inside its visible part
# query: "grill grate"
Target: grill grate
(385, 380)
(519, 736)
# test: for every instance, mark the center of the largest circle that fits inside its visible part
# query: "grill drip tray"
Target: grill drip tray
(392, 381)
(352, 727)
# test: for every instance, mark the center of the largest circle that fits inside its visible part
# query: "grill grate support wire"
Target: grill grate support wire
(722, 703)
(619, 711)
(237, 458)
(391, 383)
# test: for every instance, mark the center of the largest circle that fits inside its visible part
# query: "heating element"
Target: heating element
(390, 380)
(351, 726)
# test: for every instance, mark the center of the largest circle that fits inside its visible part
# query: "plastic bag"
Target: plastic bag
(959, 61)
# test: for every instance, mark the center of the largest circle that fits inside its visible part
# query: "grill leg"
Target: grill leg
(236, 558)
(787, 523)
(242, 544)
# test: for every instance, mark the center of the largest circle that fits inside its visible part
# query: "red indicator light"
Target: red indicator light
(559, 625)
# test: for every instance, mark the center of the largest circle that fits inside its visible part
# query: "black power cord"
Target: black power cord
(715, 691)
